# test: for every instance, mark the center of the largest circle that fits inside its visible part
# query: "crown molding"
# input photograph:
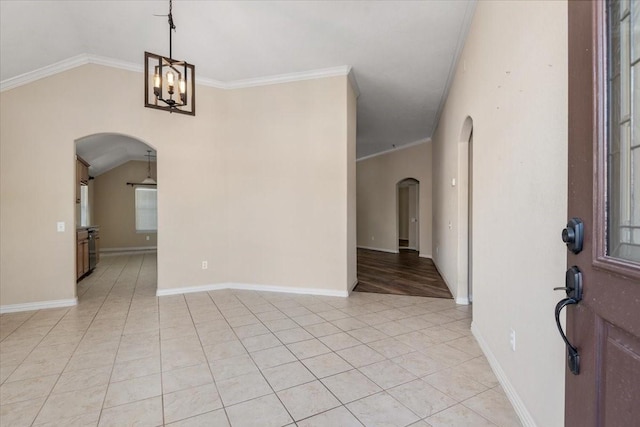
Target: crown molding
(84, 59)
(114, 63)
(354, 83)
(289, 77)
(453, 67)
(392, 150)
(41, 73)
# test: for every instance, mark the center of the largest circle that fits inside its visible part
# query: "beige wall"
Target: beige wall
(287, 192)
(114, 207)
(511, 80)
(377, 178)
(256, 183)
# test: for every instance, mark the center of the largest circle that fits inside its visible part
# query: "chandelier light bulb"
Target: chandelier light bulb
(157, 83)
(170, 81)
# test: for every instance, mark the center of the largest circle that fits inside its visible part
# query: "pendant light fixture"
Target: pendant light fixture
(148, 180)
(169, 84)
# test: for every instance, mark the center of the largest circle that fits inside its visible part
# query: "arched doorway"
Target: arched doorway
(408, 214)
(118, 200)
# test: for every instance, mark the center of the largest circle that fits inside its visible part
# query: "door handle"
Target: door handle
(573, 284)
(573, 288)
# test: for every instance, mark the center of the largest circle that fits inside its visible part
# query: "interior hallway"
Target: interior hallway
(227, 357)
(404, 273)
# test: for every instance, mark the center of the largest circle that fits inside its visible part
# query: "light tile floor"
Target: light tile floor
(242, 358)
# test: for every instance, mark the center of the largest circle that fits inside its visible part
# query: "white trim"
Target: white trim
(128, 249)
(510, 391)
(459, 300)
(43, 72)
(424, 255)
(252, 287)
(354, 82)
(462, 37)
(390, 251)
(391, 150)
(13, 308)
(84, 59)
(444, 279)
(114, 63)
(343, 70)
(353, 285)
(462, 300)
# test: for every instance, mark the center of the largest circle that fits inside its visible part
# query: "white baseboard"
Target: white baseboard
(353, 285)
(446, 282)
(128, 251)
(423, 255)
(514, 398)
(462, 300)
(252, 287)
(14, 308)
(391, 251)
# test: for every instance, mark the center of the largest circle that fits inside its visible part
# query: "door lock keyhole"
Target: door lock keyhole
(573, 235)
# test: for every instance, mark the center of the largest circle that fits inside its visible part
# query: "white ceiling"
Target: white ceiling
(402, 52)
(105, 151)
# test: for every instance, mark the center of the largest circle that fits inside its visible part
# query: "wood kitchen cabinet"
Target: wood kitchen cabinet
(82, 253)
(82, 175)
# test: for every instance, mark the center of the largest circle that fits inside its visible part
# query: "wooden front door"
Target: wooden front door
(604, 192)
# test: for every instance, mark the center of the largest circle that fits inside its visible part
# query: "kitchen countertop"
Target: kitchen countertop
(89, 227)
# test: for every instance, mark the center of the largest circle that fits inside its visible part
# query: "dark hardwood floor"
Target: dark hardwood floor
(404, 273)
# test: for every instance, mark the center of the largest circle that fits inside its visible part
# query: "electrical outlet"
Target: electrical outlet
(147, 237)
(205, 265)
(60, 226)
(437, 250)
(512, 339)
(373, 238)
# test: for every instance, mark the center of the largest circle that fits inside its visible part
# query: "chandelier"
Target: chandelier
(169, 84)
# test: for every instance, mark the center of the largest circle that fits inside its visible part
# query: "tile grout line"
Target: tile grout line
(72, 354)
(316, 378)
(252, 359)
(121, 332)
(451, 343)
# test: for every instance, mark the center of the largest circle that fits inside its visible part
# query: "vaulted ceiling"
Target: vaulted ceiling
(402, 53)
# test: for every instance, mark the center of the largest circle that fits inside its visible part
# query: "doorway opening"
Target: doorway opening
(408, 214)
(465, 203)
(116, 204)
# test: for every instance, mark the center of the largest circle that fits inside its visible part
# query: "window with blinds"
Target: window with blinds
(146, 209)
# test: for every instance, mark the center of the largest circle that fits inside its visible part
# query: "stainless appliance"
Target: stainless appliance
(94, 236)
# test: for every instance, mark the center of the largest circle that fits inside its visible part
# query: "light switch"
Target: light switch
(61, 226)
(453, 182)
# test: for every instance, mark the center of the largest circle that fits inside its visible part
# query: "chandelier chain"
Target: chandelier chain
(171, 24)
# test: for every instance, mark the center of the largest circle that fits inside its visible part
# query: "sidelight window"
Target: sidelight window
(623, 93)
